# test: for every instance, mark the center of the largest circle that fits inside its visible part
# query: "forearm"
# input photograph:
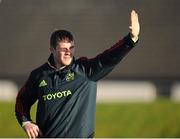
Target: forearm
(22, 113)
(22, 119)
(98, 67)
(24, 100)
(116, 53)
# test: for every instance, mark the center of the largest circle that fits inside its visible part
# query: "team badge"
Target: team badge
(70, 77)
(42, 83)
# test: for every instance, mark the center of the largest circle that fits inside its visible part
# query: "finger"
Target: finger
(134, 14)
(134, 20)
(28, 134)
(132, 17)
(32, 134)
(35, 131)
(40, 132)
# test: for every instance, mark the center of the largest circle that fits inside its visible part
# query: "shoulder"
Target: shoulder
(82, 61)
(79, 64)
(39, 70)
(85, 60)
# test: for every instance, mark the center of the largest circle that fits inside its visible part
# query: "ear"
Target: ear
(51, 49)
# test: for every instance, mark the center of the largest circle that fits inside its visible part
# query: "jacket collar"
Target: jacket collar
(51, 63)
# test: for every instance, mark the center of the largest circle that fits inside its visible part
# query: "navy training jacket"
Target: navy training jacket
(67, 98)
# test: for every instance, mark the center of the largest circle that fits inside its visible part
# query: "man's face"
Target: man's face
(64, 52)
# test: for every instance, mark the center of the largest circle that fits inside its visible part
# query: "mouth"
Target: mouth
(67, 57)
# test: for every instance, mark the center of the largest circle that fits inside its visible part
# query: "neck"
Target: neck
(59, 66)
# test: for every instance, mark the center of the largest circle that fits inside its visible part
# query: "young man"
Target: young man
(66, 88)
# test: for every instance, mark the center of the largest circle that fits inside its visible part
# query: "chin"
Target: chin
(67, 62)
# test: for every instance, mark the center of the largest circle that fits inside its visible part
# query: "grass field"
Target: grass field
(157, 119)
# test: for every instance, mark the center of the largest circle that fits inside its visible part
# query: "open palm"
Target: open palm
(134, 25)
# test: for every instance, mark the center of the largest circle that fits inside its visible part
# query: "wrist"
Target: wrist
(24, 123)
(134, 38)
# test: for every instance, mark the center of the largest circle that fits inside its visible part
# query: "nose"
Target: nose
(67, 52)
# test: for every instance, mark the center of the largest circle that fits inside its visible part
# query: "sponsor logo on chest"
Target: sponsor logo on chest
(57, 95)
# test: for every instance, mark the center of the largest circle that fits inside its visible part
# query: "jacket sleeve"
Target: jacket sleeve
(26, 97)
(98, 67)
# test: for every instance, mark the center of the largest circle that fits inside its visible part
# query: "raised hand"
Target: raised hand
(134, 26)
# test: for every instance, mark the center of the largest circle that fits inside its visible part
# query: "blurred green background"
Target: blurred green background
(160, 118)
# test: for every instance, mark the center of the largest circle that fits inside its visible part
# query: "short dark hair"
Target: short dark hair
(60, 35)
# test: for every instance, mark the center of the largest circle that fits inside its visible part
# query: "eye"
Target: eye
(64, 49)
(72, 47)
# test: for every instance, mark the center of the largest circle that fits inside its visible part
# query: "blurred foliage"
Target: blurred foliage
(156, 119)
